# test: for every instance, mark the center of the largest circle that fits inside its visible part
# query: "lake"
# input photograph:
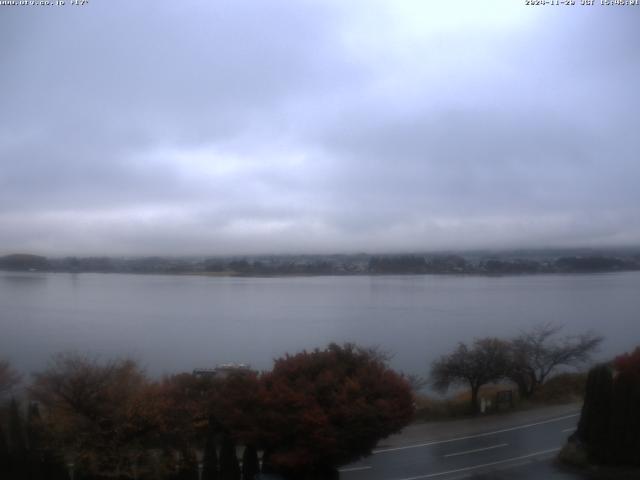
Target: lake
(176, 323)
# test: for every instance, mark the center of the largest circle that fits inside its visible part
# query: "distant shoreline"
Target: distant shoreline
(318, 275)
(487, 264)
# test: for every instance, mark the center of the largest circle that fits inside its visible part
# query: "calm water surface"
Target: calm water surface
(175, 323)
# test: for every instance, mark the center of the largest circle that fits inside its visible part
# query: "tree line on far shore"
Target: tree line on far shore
(361, 264)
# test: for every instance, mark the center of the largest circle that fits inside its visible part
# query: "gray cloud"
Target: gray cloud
(234, 127)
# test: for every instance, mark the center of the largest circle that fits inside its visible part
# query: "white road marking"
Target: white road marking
(474, 467)
(476, 450)
(479, 435)
(569, 430)
(354, 469)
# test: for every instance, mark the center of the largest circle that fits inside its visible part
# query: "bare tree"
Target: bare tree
(485, 362)
(9, 378)
(536, 353)
(416, 382)
(377, 352)
(97, 412)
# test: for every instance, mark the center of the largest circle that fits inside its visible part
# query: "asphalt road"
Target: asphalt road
(521, 450)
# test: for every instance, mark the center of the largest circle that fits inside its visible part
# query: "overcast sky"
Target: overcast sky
(225, 127)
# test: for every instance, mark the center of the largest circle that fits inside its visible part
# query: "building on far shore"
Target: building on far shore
(222, 370)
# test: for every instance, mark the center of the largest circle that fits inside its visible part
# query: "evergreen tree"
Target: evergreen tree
(188, 466)
(610, 422)
(229, 467)
(623, 429)
(53, 466)
(593, 428)
(250, 466)
(169, 465)
(267, 466)
(17, 444)
(210, 459)
(35, 456)
(33, 426)
(5, 463)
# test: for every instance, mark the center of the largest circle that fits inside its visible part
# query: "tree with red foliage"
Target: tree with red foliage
(183, 403)
(628, 363)
(194, 412)
(325, 408)
(234, 405)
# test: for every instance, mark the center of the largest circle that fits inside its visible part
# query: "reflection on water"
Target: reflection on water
(8, 279)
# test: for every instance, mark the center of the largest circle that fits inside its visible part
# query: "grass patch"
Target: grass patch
(563, 388)
(560, 389)
(430, 408)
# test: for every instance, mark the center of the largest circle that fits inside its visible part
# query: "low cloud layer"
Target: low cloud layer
(281, 126)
